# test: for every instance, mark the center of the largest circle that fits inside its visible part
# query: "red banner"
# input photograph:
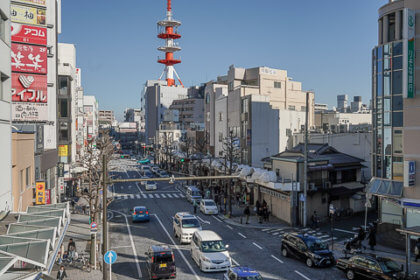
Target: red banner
(29, 88)
(23, 33)
(29, 59)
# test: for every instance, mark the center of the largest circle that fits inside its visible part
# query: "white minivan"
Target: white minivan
(184, 225)
(210, 252)
(193, 194)
(208, 206)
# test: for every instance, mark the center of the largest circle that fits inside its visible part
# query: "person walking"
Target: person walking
(315, 220)
(372, 237)
(417, 250)
(247, 213)
(195, 206)
(257, 207)
(61, 273)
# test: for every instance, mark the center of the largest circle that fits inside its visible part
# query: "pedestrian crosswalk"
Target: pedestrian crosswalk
(280, 232)
(149, 196)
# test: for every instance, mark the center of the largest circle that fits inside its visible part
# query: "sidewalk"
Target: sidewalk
(80, 232)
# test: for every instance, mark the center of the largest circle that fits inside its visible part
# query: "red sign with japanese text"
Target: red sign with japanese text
(29, 59)
(23, 33)
(29, 88)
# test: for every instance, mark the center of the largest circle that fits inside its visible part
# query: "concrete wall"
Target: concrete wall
(289, 122)
(23, 158)
(221, 125)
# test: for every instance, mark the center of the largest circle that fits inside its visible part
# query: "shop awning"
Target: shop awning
(387, 188)
(343, 191)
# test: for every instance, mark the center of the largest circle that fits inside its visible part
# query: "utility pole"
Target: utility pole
(305, 165)
(104, 214)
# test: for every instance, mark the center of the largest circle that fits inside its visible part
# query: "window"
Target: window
(220, 116)
(21, 180)
(63, 108)
(63, 85)
(387, 83)
(397, 168)
(397, 77)
(397, 103)
(220, 137)
(28, 176)
(387, 140)
(277, 84)
(397, 48)
(63, 133)
(230, 86)
(397, 142)
(292, 107)
(397, 119)
(397, 63)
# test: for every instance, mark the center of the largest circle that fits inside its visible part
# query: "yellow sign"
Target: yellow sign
(63, 150)
(40, 193)
(27, 15)
(33, 2)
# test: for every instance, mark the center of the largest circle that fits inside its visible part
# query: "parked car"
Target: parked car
(160, 262)
(370, 266)
(151, 186)
(193, 194)
(242, 272)
(140, 214)
(208, 206)
(184, 225)
(210, 252)
(310, 249)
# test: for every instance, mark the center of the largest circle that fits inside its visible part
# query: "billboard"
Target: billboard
(409, 173)
(29, 88)
(29, 59)
(33, 2)
(63, 150)
(22, 33)
(29, 112)
(409, 25)
(40, 193)
(27, 15)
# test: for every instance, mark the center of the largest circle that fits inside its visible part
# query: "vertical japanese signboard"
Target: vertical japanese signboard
(40, 193)
(29, 59)
(409, 173)
(409, 53)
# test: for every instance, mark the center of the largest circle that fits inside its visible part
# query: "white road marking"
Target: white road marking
(169, 195)
(235, 262)
(138, 187)
(229, 227)
(177, 247)
(217, 219)
(132, 243)
(329, 239)
(137, 195)
(163, 195)
(132, 196)
(156, 195)
(150, 195)
(175, 195)
(130, 186)
(346, 231)
(265, 229)
(279, 229)
(118, 247)
(276, 233)
(241, 235)
(181, 195)
(203, 221)
(125, 196)
(327, 235)
(277, 259)
(144, 196)
(302, 275)
(256, 245)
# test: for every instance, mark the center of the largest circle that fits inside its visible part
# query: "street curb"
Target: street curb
(230, 222)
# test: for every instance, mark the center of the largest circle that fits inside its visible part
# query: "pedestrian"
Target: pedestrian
(260, 214)
(247, 213)
(195, 206)
(257, 207)
(61, 273)
(71, 248)
(315, 219)
(372, 237)
(417, 249)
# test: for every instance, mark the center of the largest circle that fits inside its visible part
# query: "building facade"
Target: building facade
(396, 111)
(106, 117)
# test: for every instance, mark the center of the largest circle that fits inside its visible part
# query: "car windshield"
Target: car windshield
(209, 203)
(389, 266)
(139, 209)
(254, 277)
(316, 245)
(190, 223)
(163, 258)
(213, 246)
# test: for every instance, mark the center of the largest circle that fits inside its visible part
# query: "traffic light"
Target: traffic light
(182, 159)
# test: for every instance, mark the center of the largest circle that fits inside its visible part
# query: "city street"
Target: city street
(251, 247)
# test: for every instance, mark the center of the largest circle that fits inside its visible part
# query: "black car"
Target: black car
(308, 248)
(160, 262)
(370, 266)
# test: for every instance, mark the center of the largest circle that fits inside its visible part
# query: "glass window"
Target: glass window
(387, 118)
(387, 104)
(21, 180)
(397, 63)
(379, 141)
(397, 77)
(379, 85)
(397, 168)
(387, 64)
(387, 140)
(391, 212)
(190, 223)
(28, 176)
(397, 48)
(379, 166)
(63, 85)
(413, 217)
(292, 107)
(387, 50)
(379, 66)
(397, 119)
(379, 53)
(277, 84)
(63, 108)
(387, 167)
(387, 83)
(397, 103)
(397, 141)
(213, 246)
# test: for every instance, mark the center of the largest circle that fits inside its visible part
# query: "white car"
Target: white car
(184, 225)
(210, 252)
(151, 186)
(208, 206)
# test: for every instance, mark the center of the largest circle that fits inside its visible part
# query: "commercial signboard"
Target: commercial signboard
(29, 88)
(22, 33)
(409, 173)
(47, 196)
(63, 150)
(33, 2)
(28, 15)
(409, 53)
(40, 193)
(29, 59)
(29, 112)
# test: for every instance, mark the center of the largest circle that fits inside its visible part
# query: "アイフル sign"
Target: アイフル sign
(29, 59)
(29, 88)
(22, 33)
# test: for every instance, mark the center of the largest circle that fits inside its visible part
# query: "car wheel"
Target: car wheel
(350, 274)
(284, 252)
(309, 262)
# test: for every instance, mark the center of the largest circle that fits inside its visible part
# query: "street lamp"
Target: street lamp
(332, 211)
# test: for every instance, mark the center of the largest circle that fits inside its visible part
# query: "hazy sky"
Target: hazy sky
(324, 44)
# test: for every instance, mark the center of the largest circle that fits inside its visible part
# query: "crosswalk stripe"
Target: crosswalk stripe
(125, 196)
(181, 195)
(163, 196)
(324, 236)
(266, 229)
(169, 195)
(137, 195)
(157, 195)
(132, 196)
(276, 233)
(150, 195)
(175, 195)
(119, 197)
(144, 196)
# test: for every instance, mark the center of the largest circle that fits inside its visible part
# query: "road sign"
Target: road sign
(93, 227)
(110, 257)
(332, 209)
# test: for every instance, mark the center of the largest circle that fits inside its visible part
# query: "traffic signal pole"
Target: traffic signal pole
(104, 214)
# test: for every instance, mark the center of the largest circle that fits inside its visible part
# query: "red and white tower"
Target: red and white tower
(168, 32)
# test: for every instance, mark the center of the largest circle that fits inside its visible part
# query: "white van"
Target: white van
(185, 224)
(193, 194)
(209, 251)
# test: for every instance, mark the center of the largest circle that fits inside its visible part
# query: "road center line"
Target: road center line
(203, 221)
(277, 259)
(177, 247)
(302, 275)
(229, 227)
(256, 245)
(346, 231)
(132, 243)
(241, 235)
(217, 219)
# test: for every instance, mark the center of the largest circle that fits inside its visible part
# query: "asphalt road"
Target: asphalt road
(250, 247)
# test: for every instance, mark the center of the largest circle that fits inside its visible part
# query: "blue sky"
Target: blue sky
(324, 44)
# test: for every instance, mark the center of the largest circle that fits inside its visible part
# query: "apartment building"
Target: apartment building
(106, 117)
